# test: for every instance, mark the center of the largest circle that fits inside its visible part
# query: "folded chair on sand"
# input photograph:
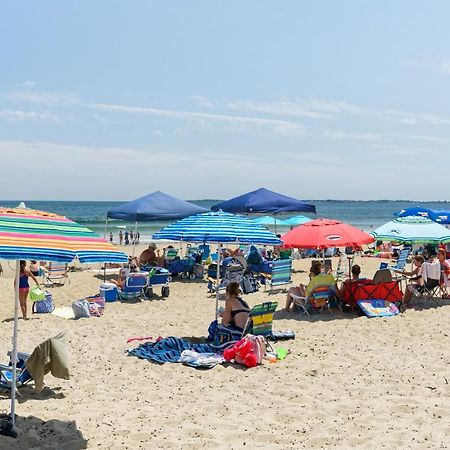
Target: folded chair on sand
(56, 274)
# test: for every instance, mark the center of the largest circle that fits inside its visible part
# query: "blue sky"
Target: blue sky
(316, 99)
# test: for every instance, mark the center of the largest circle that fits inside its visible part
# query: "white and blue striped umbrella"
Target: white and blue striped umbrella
(412, 230)
(218, 227)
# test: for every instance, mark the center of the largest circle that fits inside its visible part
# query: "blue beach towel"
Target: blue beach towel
(170, 349)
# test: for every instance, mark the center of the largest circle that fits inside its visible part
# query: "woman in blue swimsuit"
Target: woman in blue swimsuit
(236, 310)
(24, 287)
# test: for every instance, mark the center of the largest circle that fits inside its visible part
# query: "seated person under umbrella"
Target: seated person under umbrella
(236, 311)
(317, 279)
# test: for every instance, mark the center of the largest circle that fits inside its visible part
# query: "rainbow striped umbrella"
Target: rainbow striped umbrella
(38, 235)
(29, 234)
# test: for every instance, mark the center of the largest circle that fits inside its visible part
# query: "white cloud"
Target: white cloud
(282, 127)
(342, 135)
(445, 67)
(40, 97)
(126, 173)
(19, 116)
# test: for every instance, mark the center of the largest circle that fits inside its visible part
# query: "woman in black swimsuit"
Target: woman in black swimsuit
(236, 310)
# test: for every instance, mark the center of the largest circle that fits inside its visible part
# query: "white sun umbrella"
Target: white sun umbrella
(412, 230)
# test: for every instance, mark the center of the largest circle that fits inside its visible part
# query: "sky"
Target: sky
(110, 100)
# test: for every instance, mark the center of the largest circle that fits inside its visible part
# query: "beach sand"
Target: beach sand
(350, 382)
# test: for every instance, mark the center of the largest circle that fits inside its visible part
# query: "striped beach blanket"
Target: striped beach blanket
(170, 350)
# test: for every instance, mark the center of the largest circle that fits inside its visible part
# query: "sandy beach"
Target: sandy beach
(349, 381)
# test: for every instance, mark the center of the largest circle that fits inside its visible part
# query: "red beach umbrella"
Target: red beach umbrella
(324, 233)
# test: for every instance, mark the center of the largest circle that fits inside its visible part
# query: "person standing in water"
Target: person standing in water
(24, 287)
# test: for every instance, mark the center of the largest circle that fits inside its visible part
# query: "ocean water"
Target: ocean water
(363, 214)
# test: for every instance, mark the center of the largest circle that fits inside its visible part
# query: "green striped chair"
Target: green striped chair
(281, 274)
(260, 320)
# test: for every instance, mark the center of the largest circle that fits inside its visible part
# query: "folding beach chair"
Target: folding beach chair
(431, 275)
(340, 272)
(402, 259)
(260, 319)
(281, 274)
(317, 301)
(170, 254)
(56, 274)
(22, 374)
(134, 287)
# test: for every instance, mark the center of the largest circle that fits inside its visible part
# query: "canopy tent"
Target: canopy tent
(325, 233)
(38, 235)
(154, 206)
(412, 230)
(269, 220)
(297, 220)
(217, 227)
(263, 201)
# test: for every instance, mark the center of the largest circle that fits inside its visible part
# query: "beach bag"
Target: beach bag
(249, 351)
(220, 335)
(80, 309)
(36, 294)
(45, 306)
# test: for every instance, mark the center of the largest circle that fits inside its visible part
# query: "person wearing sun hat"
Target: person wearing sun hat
(149, 256)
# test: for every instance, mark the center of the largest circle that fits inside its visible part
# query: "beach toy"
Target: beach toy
(282, 353)
(37, 294)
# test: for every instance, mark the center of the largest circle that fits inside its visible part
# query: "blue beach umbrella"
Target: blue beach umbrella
(412, 230)
(297, 220)
(269, 220)
(218, 227)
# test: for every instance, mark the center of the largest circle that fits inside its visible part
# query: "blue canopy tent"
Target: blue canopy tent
(263, 201)
(218, 227)
(154, 206)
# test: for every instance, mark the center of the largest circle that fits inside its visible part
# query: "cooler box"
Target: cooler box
(108, 291)
(161, 276)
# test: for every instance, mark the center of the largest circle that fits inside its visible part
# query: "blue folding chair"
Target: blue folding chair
(134, 287)
(281, 274)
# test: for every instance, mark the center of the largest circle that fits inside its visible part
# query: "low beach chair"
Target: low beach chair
(22, 374)
(401, 260)
(431, 275)
(56, 274)
(170, 254)
(134, 287)
(260, 319)
(318, 300)
(281, 274)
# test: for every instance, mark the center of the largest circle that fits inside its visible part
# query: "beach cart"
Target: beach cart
(158, 276)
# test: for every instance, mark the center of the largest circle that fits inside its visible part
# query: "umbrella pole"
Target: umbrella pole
(323, 258)
(275, 220)
(14, 342)
(217, 279)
